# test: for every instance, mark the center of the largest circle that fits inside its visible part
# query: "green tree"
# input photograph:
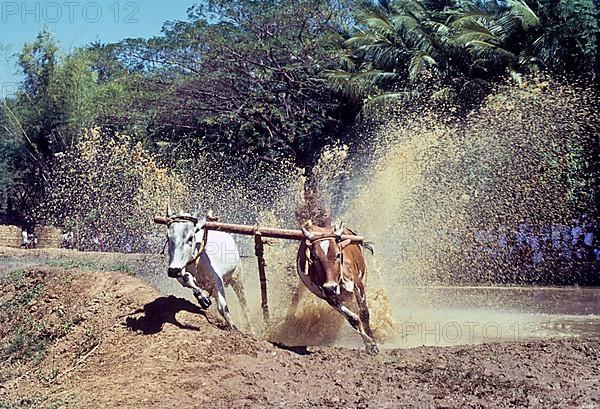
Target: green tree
(455, 50)
(567, 39)
(401, 50)
(525, 36)
(242, 78)
(59, 96)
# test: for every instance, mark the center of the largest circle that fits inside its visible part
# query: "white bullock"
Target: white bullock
(204, 266)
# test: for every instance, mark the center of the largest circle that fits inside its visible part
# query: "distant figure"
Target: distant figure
(28, 241)
(68, 240)
(312, 210)
(98, 240)
(24, 239)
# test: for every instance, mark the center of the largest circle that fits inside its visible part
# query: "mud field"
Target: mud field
(75, 338)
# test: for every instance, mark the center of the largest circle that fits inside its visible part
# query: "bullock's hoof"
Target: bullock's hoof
(372, 349)
(204, 302)
(174, 272)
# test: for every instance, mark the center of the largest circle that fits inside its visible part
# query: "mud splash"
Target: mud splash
(440, 188)
(429, 191)
(439, 196)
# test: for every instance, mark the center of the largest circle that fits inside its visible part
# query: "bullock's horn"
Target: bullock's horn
(161, 220)
(210, 217)
(339, 230)
(310, 236)
(169, 210)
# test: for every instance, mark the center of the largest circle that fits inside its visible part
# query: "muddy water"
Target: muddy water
(422, 315)
(446, 316)
(442, 316)
(466, 315)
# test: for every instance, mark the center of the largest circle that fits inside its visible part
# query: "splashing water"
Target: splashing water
(439, 198)
(445, 201)
(104, 190)
(442, 192)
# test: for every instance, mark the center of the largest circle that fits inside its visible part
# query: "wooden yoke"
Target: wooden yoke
(264, 231)
(259, 233)
(269, 231)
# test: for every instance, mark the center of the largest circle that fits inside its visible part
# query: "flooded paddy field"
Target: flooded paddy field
(415, 315)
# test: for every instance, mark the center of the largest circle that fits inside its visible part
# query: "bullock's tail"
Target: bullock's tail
(369, 246)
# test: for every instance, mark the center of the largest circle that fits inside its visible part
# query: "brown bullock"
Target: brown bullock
(333, 269)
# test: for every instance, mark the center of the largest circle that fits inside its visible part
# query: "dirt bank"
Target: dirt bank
(107, 339)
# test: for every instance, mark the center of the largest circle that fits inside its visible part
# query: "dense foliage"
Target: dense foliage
(262, 80)
(453, 51)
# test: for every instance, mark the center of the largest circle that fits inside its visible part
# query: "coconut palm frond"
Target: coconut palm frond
(381, 26)
(363, 38)
(458, 20)
(404, 22)
(483, 49)
(520, 10)
(388, 57)
(467, 25)
(376, 19)
(439, 29)
(358, 85)
(382, 103)
(468, 37)
(376, 77)
(418, 63)
(381, 54)
(473, 30)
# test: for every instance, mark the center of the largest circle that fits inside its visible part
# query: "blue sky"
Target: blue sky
(79, 22)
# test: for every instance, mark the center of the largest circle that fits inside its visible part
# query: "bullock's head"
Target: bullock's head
(324, 250)
(182, 232)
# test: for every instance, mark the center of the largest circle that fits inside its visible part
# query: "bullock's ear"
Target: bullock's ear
(345, 243)
(339, 229)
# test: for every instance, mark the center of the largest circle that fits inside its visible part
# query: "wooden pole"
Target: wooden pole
(268, 231)
(265, 231)
(259, 251)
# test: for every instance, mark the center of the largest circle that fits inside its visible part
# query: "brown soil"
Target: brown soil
(129, 346)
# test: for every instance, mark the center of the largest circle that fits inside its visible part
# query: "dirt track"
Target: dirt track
(128, 346)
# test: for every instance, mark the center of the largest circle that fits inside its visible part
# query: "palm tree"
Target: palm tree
(448, 49)
(525, 36)
(395, 43)
(493, 35)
